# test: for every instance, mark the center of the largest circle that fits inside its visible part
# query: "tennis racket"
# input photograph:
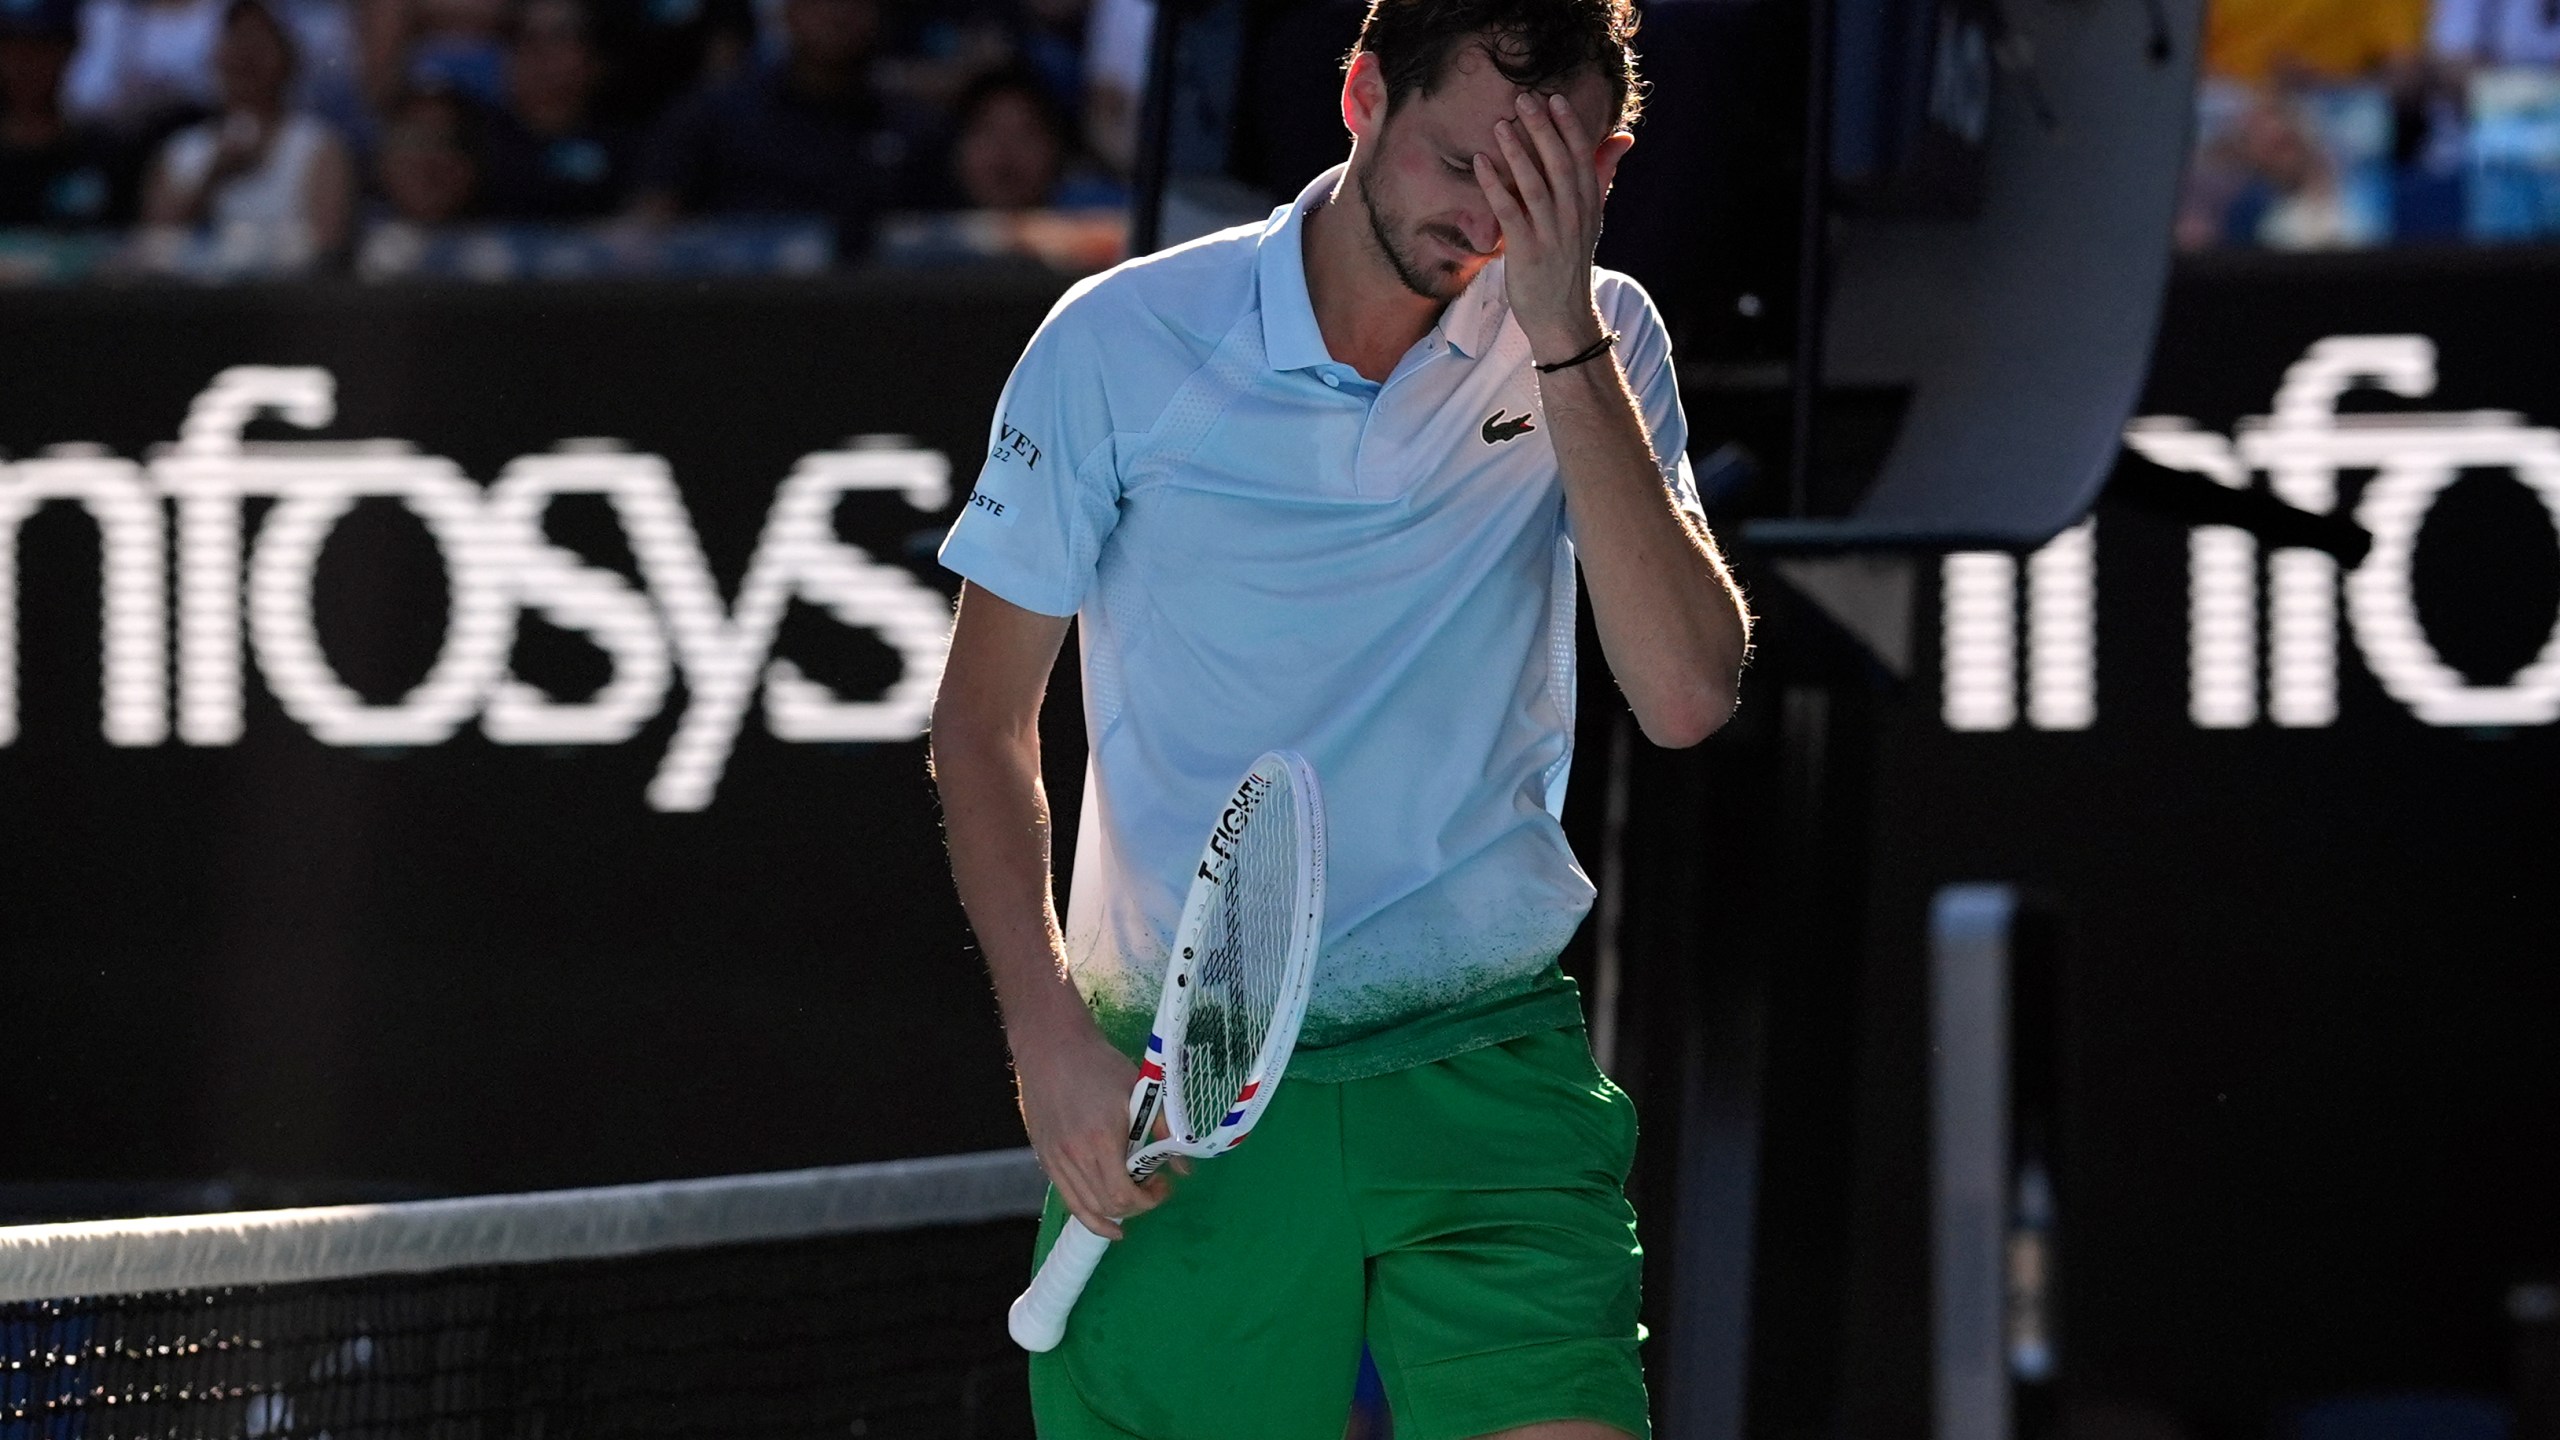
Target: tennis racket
(1235, 989)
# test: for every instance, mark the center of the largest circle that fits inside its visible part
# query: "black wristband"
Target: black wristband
(1598, 348)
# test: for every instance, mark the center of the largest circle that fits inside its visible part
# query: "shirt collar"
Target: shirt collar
(1473, 321)
(1290, 337)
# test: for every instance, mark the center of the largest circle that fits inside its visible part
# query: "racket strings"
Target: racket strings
(1240, 975)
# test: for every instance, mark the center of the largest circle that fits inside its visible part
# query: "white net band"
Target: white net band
(274, 1247)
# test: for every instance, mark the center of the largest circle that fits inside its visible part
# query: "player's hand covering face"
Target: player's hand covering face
(1546, 180)
(1435, 179)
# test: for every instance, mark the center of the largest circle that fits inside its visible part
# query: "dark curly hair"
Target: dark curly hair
(1536, 44)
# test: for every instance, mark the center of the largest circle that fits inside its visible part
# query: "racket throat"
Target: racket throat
(1142, 1112)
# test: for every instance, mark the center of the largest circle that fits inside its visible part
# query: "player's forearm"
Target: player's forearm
(996, 816)
(1073, 1087)
(1670, 617)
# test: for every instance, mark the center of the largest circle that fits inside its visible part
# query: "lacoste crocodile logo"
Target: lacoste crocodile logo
(1499, 427)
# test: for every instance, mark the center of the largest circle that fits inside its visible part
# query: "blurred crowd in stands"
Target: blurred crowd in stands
(497, 138)
(2336, 124)
(492, 139)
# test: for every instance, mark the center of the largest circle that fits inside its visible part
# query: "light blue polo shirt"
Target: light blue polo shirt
(1264, 550)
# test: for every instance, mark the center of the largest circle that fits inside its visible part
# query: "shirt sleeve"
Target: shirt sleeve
(1644, 352)
(1049, 492)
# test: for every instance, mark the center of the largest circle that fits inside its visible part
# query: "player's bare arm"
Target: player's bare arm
(1671, 620)
(1074, 1088)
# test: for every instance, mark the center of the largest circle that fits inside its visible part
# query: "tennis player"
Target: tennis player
(1323, 482)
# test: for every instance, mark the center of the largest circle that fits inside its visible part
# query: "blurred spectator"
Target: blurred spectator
(2495, 32)
(328, 80)
(52, 171)
(426, 177)
(143, 59)
(274, 185)
(148, 64)
(2269, 180)
(2366, 144)
(547, 158)
(1009, 144)
(2259, 40)
(1014, 188)
(938, 51)
(1013, 148)
(427, 171)
(2511, 170)
(931, 53)
(458, 45)
(1118, 34)
(657, 52)
(1049, 42)
(382, 50)
(805, 136)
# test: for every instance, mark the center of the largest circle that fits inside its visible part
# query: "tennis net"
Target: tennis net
(863, 1300)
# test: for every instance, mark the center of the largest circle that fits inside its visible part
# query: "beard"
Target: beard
(1430, 279)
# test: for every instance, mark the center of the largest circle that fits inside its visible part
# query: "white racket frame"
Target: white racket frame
(1038, 1320)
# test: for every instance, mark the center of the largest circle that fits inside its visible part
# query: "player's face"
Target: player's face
(1414, 165)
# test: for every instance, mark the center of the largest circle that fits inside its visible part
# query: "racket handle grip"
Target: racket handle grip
(1039, 1318)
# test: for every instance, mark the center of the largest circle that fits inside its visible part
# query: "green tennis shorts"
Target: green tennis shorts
(1467, 1218)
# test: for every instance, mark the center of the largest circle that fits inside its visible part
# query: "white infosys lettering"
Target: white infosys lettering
(2306, 448)
(1978, 619)
(2222, 583)
(723, 653)
(589, 600)
(1979, 635)
(498, 562)
(133, 611)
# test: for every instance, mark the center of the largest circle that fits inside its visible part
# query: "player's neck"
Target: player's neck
(1366, 315)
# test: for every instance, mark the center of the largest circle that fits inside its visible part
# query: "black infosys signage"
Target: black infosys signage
(473, 739)
(2293, 796)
